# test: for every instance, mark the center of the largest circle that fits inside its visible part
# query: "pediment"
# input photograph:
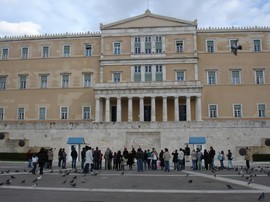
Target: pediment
(148, 20)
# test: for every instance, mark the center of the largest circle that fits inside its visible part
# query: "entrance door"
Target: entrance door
(147, 113)
(114, 113)
(182, 113)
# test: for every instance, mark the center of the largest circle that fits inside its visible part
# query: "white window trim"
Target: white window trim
(23, 113)
(240, 78)
(264, 109)
(67, 74)
(28, 52)
(241, 107)
(180, 70)
(49, 48)
(91, 79)
(230, 44)
(91, 49)
(214, 45)
(3, 112)
(120, 72)
(207, 75)
(183, 48)
(60, 115)
(2, 54)
(210, 113)
(255, 76)
(256, 39)
(83, 112)
(63, 50)
(39, 112)
(115, 42)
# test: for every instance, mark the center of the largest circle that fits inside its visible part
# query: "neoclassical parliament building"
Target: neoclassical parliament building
(145, 81)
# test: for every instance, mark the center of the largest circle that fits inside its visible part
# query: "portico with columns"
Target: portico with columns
(128, 102)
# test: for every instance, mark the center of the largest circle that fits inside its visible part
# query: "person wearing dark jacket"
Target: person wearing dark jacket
(42, 155)
(74, 156)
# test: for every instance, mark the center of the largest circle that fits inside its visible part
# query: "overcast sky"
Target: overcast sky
(19, 17)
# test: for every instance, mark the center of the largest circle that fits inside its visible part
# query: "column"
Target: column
(97, 119)
(196, 76)
(119, 110)
(198, 108)
(141, 109)
(176, 109)
(130, 113)
(143, 73)
(188, 111)
(153, 72)
(132, 74)
(153, 108)
(165, 109)
(107, 110)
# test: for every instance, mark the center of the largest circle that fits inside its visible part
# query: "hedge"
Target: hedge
(261, 157)
(13, 156)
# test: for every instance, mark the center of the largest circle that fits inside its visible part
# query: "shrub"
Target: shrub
(261, 157)
(13, 156)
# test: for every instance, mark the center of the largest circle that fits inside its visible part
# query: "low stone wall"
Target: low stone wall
(222, 135)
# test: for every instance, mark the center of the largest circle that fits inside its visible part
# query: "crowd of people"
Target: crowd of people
(92, 159)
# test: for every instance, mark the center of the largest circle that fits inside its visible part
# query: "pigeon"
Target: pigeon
(8, 181)
(35, 185)
(23, 181)
(123, 173)
(235, 47)
(75, 177)
(51, 171)
(72, 181)
(25, 171)
(229, 186)
(16, 171)
(190, 181)
(2, 183)
(13, 177)
(250, 181)
(84, 180)
(215, 175)
(261, 197)
(39, 178)
(73, 184)
(35, 180)
(64, 181)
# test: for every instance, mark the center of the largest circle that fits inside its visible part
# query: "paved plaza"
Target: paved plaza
(17, 184)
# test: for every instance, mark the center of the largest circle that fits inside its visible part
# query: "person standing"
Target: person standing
(181, 157)
(194, 159)
(108, 159)
(74, 156)
(83, 157)
(230, 158)
(42, 155)
(35, 162)
(247, 157)
(199, 159)
(154, 159)
(88, 161)
(206, 159)
(29, 158)
(161, 160)
(139, 157)
(167, 157)
(212, 154)
(50, 158)
(187, 153)
(64, 158)
(175, 159)
(60, 157)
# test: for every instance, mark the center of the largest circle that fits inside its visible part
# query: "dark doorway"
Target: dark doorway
(182, 113)
(147, 113)
(114, 113)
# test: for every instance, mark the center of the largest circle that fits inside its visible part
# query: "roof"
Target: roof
(148, 19)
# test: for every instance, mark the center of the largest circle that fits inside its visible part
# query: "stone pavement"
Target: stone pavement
(131, 186)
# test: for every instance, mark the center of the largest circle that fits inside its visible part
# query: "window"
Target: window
(22, 81)
(65, 80)
(20, 114)
(87, 80)
(210, 46)
(180, 75)
(137, 73)
(64, 112)
(212, 111)
(235, 77)
(117, 48)
(257, 45)
(237, 110)
(86, 113)
(261, 110)
(159, 75)
(116, 77)
(45, 51)
(43, 81)
(137, 45)
(25, 53)
(88, 50)
(211, 77)
(3, 82)
(4, 53)
(42, 113)
(1, 113)
(233, 43)
(259, 76)
(148, 45)
(179, 46)
(66, 51)
(158, 44)
(148, 73)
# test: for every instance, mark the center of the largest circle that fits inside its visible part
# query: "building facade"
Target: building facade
(136, 83)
